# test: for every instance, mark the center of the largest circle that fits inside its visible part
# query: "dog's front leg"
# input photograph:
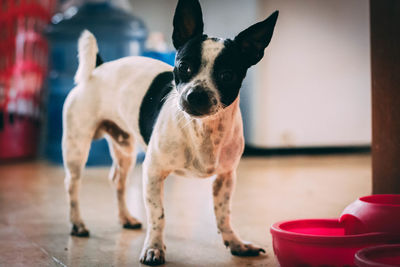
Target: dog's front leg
(153, 252)
(222, 190)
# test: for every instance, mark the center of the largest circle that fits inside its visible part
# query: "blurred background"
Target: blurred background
(311, 92)
(321, 121)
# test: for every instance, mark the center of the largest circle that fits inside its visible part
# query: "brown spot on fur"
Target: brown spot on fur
(74, 204)
(210, 170)
(112, 129)
(228, 183)
(226, 196)
(179, 172)
(207, 145)
(188, 156)
(206, 149)
(196, 164)
(217, 186)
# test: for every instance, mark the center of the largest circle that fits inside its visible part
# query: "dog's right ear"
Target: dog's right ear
(188, 22)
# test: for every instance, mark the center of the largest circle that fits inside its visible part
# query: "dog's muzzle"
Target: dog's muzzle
(198, 102)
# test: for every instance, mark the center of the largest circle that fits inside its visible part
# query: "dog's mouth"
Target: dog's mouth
(196, 115)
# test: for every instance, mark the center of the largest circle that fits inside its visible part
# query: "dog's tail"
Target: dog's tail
(87, 55)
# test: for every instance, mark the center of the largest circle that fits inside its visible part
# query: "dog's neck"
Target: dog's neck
(216, 127)
(225, 116)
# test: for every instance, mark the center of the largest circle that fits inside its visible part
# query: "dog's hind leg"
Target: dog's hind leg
(76, 145)
(124, 157)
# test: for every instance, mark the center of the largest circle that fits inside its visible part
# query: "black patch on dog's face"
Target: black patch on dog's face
(188, 57)
(153, 102)
(228, 72)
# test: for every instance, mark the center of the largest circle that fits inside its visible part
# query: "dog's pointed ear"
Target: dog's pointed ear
(188, 22)
(255, 39)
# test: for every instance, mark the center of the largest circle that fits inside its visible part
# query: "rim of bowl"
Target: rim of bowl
(361, 256)
(368, 199)
(277, 231)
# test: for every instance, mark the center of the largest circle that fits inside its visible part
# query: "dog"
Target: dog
(187, 118)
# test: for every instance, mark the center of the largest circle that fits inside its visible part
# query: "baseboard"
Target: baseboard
(328, 150)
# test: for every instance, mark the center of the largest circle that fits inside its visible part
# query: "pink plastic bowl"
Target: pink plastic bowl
(379, 256)
(376, 213)
(319, 242)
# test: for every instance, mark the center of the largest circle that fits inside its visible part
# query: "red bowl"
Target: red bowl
(376, 213)
(379, 256)
(319, 242)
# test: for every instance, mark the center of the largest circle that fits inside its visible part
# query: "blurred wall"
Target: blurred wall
(314, 86)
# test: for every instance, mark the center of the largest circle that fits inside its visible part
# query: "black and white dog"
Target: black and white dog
(187, 118)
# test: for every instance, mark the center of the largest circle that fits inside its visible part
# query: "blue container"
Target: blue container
(167, 57)
(118, 34)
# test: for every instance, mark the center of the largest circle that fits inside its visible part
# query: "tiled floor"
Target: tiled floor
(34, 229)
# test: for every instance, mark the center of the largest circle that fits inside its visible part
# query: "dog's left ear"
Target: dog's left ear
(188, 22)
(255, 39)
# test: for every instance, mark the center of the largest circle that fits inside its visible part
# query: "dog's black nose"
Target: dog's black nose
(198, 101)
(198, 98)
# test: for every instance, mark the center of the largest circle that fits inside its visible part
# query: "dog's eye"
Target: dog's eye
(184, 69)
(226, 76)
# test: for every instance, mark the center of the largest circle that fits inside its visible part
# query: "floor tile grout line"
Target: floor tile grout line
(21, 234)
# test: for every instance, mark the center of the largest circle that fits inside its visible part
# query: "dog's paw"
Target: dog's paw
(79, 230)
(152, 256)
(131, 223)
(245, 249)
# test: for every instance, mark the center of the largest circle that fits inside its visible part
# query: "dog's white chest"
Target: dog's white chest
(196, 148)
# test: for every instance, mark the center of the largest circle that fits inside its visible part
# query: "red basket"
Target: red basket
(23, 66)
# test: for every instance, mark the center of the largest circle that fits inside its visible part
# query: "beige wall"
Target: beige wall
(313, 87)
